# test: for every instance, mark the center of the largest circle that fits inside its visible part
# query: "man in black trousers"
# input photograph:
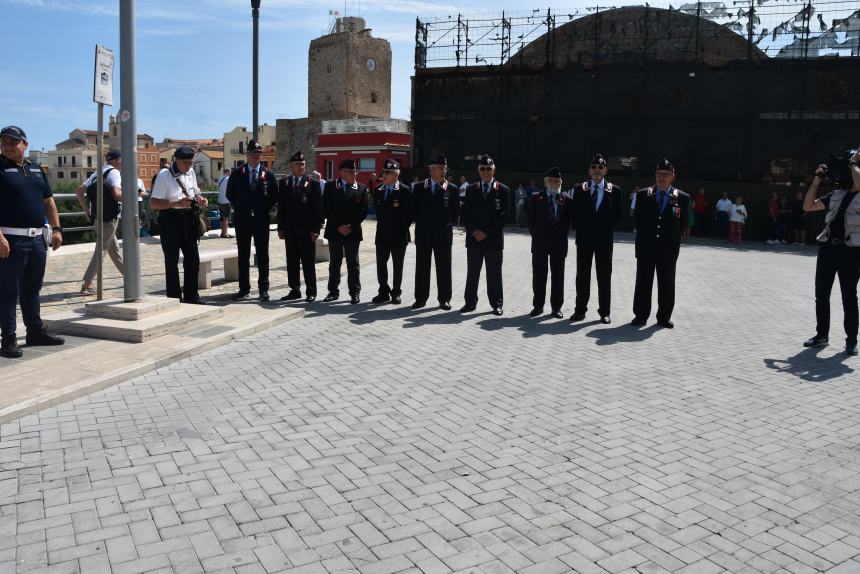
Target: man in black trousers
(392, 201)
(660, 218)
(549, 213)
(345, 207)
(484, 215)
(436, 208)
(299, 221)
(596, 211)
(252, 190)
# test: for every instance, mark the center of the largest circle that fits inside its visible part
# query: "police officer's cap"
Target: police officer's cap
(13, 132)
(486, 160)
(183, 152)
(348, 164)
(665, 165)
(553, 172)
(254, 147)
(439, 159)
(598, 159)
(112, 155)
(298, 156)
(391, 165)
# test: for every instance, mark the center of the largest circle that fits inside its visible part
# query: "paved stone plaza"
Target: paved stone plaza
(380, 439)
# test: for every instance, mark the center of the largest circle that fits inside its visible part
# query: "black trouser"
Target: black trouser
(602, 256)
(843, 261)
(441, 252)
(301, 250)
(397, 252)
(645, 269)
(337, 251)
(21, 275)
(475, 258)
(179, 233)
(259, 232)
(722, 224)
(539, 271)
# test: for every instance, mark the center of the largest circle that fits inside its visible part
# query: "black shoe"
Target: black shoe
(242, 294)
(196, 301)
(497, 311)
(264, 295)
(577, 316)
(332, 296)
(44, 339)
(418, 304)
(10, 348)
(558, 314)
(310, 298)
(817, 341)
(292, 295)
(445, 306)
(605, 319)
(396, 300)
(467, 308)
(380, 299)
(666, 324)
(536, 311)
(851, 348)
(354, 300)
(638, 321)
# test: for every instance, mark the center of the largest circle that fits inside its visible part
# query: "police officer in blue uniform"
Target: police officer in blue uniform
(26, 203)
(549, 214)
(392, 201)
(252, 191)
(660, 218)
(436, 206)
(300, 219)
(484, 213)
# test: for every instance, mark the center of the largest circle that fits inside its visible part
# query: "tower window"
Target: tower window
(328, 68)
(373, 97)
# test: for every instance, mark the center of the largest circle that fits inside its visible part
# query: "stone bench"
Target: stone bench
(230, 256)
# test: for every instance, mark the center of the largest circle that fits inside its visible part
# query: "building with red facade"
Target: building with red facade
(368, 141)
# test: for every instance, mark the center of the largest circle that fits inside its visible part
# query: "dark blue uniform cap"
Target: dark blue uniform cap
(112, 155)
(553, 172)
(13, 132)
(254, 147)
(665, 165)
(298, 156)
(183, 152)
(486, 160)
(598, 159)
(438, 159)
(391, 164)
(348, 164)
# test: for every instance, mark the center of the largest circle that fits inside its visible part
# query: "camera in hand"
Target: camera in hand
(195, 206)
(838, 170)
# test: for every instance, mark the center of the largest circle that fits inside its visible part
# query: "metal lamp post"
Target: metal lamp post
(255, 15)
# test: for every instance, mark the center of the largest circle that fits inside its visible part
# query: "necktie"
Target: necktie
(387, 192)
(295, 182)
(553, 208)
(486, 189)
(661, 198)
(253, 177)
(594, 195)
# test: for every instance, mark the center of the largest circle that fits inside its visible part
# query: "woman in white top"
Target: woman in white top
(737, 219)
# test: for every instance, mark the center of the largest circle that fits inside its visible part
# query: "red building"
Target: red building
(368, 141)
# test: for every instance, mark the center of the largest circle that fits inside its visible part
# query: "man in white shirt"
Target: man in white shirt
(174, 193)
(142, 194)
(112, 197)
(223, 202)
(724, 207)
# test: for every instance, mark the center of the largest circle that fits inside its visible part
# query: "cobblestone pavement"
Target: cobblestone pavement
(380, 439)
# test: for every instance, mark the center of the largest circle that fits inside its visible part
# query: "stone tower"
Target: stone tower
(349, 73)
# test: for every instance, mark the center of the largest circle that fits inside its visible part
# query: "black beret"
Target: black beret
(598, 159)
(183, 152)
(348, 164)
(486, 160)
(298, 156)
(113, 154)
(391, 164)
(13, 132)
(254, 147)
(665, 165)
(438, 159)
(553, 172)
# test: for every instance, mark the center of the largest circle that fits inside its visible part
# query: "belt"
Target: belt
(22, 231)
(835, 241)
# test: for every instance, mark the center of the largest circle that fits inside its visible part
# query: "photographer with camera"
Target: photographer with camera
(839, 249)
(177, 199)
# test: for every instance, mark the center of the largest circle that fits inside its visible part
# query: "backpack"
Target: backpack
(111, 206)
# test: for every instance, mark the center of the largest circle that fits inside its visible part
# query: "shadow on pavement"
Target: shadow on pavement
(625, 333)
(451, 317)
(808, 366)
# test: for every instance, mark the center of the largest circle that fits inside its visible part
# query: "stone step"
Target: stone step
(131, 311)
(77, 322)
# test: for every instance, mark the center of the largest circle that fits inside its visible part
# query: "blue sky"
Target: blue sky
(193, 60)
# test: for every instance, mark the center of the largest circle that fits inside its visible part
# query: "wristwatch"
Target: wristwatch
(60, 229)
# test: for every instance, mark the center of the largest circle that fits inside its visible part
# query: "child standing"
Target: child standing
(737, 218)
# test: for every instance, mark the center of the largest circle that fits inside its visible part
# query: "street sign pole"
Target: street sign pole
(102, 95)
(128, 121)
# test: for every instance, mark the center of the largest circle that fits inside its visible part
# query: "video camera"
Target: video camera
(838, 170)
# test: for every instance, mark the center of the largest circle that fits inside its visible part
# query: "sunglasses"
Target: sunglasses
(595, 166)
(485, 168)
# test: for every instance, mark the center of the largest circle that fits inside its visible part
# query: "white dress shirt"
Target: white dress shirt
(166, 186)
